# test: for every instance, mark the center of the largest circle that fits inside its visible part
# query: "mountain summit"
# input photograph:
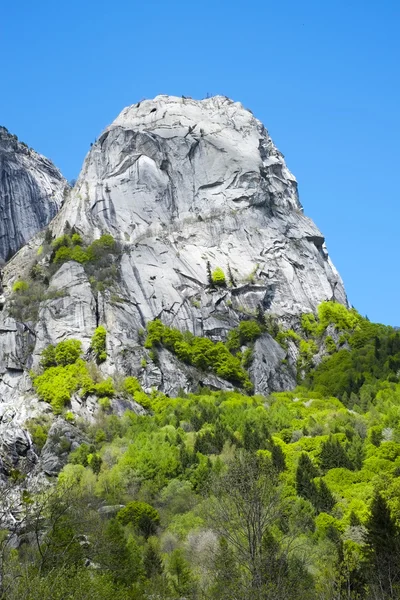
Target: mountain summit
(184, 182)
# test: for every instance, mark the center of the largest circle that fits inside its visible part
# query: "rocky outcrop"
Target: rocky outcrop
(62, 439)
(31, 193)
(180, 184)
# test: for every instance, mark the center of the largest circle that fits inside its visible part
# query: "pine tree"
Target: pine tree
(226, 584)
(383, 539)
(180, 574)
(209, 276)
(152, 561)
(305, 474)
(325, 499)
(356, 453)
(278, 458)
(260, 314)
(231, 278)
(114, 555)
(251, 437)
(333, 455)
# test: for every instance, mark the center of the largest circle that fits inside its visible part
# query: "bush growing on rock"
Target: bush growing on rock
(20, 286)
(99, 343)
(218, 277)
(200, 352)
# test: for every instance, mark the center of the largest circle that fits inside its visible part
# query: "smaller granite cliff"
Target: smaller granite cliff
(31, 192)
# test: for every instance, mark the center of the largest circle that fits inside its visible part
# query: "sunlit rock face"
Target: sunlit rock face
(31, 193)
(183, 182)
(179, 183)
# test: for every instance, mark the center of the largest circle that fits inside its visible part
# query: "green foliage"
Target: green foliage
(48, 357)
(67, 352)
(309, 324)
(20, 286)
(180, 574)
(333, 455)
(76, 253)
(218, 277)
(373, 357)
(27, 297)
(38, 428)
(201, 352)
(99, 259)
(141, 515)
(248, 331)
(104, 388)
(99, 343)
(63, 240)
(330, 344)
(57, 384)
(305, 474)
(76, 239)
(336, 314)
(320, 475)
(383, 540)
(64, 372)
(132, 385)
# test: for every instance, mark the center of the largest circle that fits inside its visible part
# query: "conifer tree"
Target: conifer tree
(152, 561)
(325, 499)
(278, 458)
(333, 455)
(226, 584)
(305, 474)
(260, 314)
(209, 276)
(383, 539)
(231, 278)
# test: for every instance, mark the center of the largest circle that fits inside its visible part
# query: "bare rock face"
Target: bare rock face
(31, 193)
(183, 182)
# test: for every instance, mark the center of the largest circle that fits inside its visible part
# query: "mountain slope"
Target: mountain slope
(185, 212)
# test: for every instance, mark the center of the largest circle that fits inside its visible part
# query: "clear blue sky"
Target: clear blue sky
(322, 76)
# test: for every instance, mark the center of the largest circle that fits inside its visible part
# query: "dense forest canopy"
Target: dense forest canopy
(221, 495)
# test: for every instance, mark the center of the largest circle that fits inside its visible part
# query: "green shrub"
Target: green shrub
(202, 353)
(105, 403)
(76, 253)
(67, 352)
(101, 247)
(76, 239)
(99, 343)
(63, 240)
(292, 335)
(246, 332)
(309, 324)
(141, 398)
(330, 344)
(48, 357)
(104, 388)
(249, 331)
(131, 385)
(57, 384)
(79, 255)
(338, 315)
(20, 286)
(141, 515)
(63, 254)
(39, 430)
(218, 277)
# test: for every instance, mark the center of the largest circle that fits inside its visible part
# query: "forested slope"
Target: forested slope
(218, 495)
